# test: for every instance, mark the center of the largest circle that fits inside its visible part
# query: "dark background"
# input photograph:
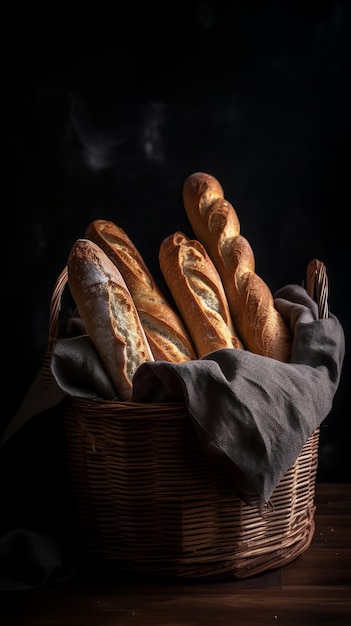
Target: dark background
(108, 111)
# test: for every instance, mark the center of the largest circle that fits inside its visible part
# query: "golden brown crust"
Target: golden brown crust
(198, 292)
(109, 314)
(167, 334)
(216, 224)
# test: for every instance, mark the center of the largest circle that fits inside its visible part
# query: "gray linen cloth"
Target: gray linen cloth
(252, 414)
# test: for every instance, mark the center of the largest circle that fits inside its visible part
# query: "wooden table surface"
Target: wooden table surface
(313, 589)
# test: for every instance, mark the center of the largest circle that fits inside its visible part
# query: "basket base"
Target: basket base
(220, 571)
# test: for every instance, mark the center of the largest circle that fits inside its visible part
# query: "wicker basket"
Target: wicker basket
(150, 501)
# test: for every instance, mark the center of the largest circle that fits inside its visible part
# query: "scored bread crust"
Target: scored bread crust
(108, 313)
(198, 292)
(216, 224)
(166, 332)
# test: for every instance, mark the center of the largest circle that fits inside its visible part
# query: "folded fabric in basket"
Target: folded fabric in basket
(252, 414)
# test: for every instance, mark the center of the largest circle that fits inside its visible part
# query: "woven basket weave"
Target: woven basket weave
(150, 501)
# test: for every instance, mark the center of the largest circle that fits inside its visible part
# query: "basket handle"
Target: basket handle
(55, 308)
(317, 286)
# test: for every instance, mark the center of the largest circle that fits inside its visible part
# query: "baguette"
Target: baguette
(166, 332)
(216, 224)
(108, 313)
(198, 293)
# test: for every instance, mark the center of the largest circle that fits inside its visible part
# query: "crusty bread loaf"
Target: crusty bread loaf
(215, 223)
(198, 292)
(109, 314)
(167, 335)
